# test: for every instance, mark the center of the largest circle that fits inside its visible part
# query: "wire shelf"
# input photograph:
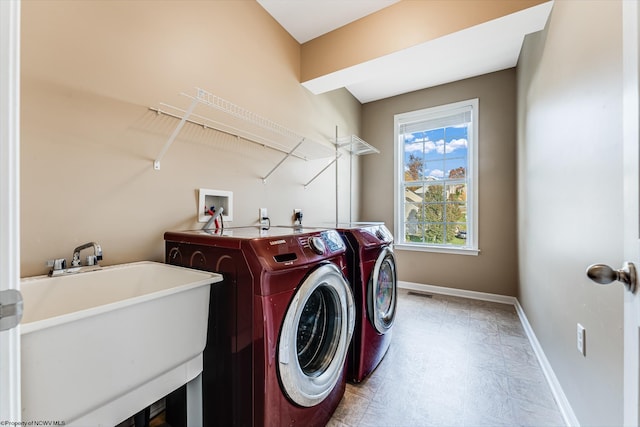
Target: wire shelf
(227, 117)
(228, 107)
(356, 146)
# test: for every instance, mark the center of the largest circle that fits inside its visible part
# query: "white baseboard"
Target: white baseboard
(504, 299)
(563, 403)
(561, 398)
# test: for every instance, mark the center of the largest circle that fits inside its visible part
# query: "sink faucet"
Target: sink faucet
(59, 266)
(91, 259)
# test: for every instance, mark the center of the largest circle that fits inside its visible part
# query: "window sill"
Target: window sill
(436, 249)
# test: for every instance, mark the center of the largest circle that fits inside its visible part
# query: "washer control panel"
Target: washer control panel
(333, 240)
(323, 243)
(277, 248)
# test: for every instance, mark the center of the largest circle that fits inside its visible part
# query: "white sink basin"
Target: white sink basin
(97, 347)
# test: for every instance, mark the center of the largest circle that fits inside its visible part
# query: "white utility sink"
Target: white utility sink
(98, 347)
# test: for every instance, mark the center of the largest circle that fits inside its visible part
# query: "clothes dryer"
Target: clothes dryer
(372, 273)
(280, 324)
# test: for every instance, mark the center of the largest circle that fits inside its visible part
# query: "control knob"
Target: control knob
(175, 256)
(317, 245)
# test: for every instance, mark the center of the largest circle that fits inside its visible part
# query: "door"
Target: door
(9, 199)
(382, 292)
(315, 336)
(631, 111)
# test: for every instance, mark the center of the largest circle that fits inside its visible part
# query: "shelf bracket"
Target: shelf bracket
(176, 131)
(264, 179)
(322, 171)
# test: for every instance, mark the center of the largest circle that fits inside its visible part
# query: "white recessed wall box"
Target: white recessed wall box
(217, 198)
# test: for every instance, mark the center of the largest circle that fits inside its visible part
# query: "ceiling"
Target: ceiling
(307, 19)
(482, 49)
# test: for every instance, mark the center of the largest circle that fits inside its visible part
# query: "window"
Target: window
(436, 178)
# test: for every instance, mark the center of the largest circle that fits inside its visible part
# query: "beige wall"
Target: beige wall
(570, 199)
(400, 26)
(495, 269)
(91, 69)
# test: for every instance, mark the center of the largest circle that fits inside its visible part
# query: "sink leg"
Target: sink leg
(194, 401)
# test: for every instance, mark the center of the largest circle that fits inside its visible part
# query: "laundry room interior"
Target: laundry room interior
(132, 111)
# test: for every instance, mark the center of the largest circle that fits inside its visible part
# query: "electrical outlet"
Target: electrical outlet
(580, 339)
(263, 217)
(297, 216)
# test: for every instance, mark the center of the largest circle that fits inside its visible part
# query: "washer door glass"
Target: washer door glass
(318, 331)
(315, 336)
(382, 292)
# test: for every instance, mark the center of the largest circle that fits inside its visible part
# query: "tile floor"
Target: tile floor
(452, 362)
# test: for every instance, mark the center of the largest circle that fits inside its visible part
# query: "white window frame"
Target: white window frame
(471, 248)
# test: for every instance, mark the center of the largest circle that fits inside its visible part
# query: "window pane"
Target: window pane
(455, 168)
(456, 141)
(434, 233)
(434, 171)
(434, 144)
(456, 212)
(414, 193)
(434, 212)
(457, 234)
(412, 212)
(456, 192)
(413, 166)
(414, 233)
(434, 193)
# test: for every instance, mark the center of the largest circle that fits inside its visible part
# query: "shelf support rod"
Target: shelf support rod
(337, 176)
(156, 163)
(264, 179)
(321, 172)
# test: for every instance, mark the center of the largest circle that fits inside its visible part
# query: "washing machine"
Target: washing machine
(372, 274)
(280, 324)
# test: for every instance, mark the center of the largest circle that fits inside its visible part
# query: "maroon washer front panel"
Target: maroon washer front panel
(368, 347)
(261, 271)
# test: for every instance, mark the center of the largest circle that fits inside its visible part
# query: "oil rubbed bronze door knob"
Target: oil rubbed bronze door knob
(603, 274)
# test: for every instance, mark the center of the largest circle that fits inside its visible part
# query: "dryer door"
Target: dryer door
(382, 292)
(315, 336)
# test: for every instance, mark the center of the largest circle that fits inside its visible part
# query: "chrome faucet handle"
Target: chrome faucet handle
(92, 260)
(57, 266)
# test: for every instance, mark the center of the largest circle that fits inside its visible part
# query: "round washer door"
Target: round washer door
(315, 336)
(382, 292)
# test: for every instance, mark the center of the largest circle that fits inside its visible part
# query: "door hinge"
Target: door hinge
(11, 308)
